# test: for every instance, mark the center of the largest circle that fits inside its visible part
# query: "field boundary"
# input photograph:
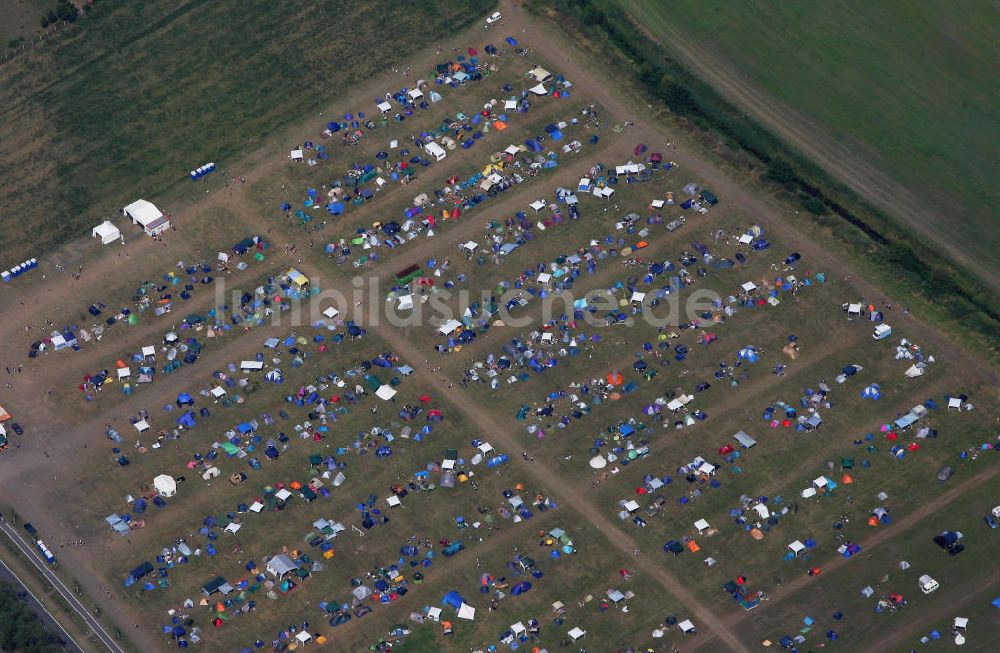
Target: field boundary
(942, 287)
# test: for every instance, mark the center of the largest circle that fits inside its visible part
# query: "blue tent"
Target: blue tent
(454, 599)
(871, 392)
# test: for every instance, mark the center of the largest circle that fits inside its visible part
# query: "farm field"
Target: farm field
(893, 99)
(132, 99)
(559, 385)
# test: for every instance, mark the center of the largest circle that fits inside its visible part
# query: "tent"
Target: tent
(280, 565)
(385, 392)
(686, 627)
(107, 232)
(744, 439)
(871, 392)
(146, 215)
(165, 485)
(576, 633)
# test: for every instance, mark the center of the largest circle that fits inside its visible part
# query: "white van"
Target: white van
(927, 584)
(435, 150)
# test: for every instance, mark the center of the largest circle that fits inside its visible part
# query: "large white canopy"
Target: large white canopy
(165, 485)
(107, 232)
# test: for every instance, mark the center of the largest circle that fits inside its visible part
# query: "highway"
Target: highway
(28, 549)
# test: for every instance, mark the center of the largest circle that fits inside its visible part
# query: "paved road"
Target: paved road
(51, 623)
(29, 551)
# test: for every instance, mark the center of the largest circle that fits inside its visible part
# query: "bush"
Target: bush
(813, 205)
(781, 171)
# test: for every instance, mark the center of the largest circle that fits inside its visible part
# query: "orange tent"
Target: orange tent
(642, 244)
(846, 479)
(615, 378)
(693, 546)
(499, 125)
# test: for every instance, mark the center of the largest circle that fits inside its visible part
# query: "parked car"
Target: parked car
(991, 521)
(493, 18)
(16, 428)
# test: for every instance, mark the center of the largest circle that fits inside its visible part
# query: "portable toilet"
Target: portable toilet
(882, 332)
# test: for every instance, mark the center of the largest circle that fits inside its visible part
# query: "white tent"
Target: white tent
(405, 303)
(796, 547)
(449, 327)
(256, 507)
(141, 426)
(746, 239)
(149, 350)
(749, 286)
(537, 205)
(384, 106)
(303, 636)
(539, 89)
(913, 372)
(280, 565)
(146, 215)
(686, 626)
(539, 74)
(165, 485)
(762, 511)
(415, 94)
(576, 633)
(107, 232)
(385, 392)
(434, 613)
(466, 611)
(702, 526)
(295, 155)
(331, 313)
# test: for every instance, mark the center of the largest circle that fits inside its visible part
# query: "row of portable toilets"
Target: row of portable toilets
(18, 270)
(198, 173)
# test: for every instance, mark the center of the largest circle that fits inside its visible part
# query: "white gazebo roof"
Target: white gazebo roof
(165, 484)
(385, 392)
(107, 232)
(141, 426)
(701, 525)
(143, 212)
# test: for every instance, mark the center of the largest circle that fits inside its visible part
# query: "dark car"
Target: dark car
(16, 428)
(991, 521)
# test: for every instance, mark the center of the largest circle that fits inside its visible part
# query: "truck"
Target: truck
(927, 584)
(882, 332)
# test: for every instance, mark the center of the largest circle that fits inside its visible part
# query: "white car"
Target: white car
(493, 18)
(927, 584)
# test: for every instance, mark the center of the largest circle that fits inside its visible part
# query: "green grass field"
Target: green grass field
(127, 103)
(910, 87)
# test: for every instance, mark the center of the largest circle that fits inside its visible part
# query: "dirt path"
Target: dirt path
(899, 526)
(840, 158)
(569, 496)
(915, 627)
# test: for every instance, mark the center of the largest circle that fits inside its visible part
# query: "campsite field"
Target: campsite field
(891, 98)
(514, 454)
